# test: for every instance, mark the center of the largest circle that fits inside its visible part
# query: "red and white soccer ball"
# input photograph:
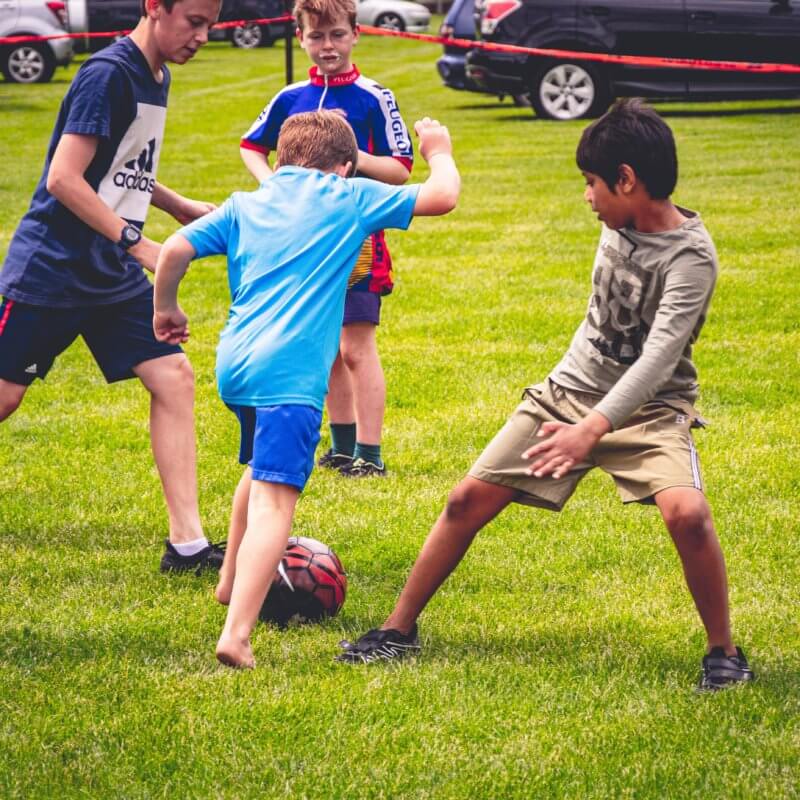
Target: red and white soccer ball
(309, 586)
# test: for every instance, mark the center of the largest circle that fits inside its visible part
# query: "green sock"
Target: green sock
(369, 452)
(343, 438)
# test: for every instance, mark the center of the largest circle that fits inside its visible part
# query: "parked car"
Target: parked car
(33, 62)
(730, 30)
(122, 15)
(460, 24)
(396, 15)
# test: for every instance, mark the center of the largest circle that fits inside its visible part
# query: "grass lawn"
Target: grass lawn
(559, 659)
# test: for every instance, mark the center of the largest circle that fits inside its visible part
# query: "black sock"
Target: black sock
(369, 452)
(343, 438)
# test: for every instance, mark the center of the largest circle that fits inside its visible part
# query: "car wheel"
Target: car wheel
(566, 91)
(247, 36)
(391, 21)
(28, 63)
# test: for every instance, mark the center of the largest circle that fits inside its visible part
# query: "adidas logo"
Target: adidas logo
(139, 167)
(31, 370)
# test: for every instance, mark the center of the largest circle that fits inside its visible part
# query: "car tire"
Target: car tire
(567, 90)
(28, 63)
(391, 21)
(250, 36)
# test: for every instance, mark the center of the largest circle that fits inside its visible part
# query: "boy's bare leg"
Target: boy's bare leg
(470, 506)
(269, 522)
(340, 394)
(688, 518)
(170, 381)
(11, 395)
(359, 350)
(236, 530)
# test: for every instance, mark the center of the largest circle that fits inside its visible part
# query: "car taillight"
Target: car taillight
(494, 11)
(59, 8)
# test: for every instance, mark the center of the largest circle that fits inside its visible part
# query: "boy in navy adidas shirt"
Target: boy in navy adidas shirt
(327, 30)
(291, 246)
(74, 265)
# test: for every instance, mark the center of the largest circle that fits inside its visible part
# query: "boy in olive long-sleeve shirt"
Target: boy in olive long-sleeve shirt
(621, 398)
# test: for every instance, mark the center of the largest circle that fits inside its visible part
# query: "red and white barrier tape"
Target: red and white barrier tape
(470, 44)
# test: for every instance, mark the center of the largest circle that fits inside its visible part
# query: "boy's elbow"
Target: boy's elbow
(55, 182)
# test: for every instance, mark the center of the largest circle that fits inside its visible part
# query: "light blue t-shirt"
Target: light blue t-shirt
(291, 246)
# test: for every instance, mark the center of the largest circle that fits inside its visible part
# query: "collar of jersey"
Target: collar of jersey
(343, 79)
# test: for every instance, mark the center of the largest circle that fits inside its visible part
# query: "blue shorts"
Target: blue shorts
(119, 336)
(362, 307)
(278, 442)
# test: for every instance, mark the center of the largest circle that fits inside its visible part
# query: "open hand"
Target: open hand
(566, 446)
(171, 326)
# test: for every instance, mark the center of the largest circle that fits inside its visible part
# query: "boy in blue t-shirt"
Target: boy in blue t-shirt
(74, 264)
(327, 30)
(291, 246)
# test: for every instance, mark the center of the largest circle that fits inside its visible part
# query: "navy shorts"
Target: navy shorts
(278, 442)
(362, 307)
(119, 336)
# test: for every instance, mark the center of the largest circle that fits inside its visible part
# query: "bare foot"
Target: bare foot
(235, 652)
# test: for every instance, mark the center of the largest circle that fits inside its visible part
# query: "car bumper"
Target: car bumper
(452, 70)
(417, 27)
(501, 74)
(62, 50)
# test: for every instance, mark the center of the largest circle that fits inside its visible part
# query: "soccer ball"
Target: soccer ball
(310, 584)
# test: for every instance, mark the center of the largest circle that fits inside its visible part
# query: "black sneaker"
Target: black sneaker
(208, 558)
(376, 644)
(721, 671)
(334, 460)
(362, 469)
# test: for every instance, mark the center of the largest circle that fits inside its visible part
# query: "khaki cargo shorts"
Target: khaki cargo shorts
(652, 451)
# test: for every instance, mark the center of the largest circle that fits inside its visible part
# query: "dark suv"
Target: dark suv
(120, 15)
(727, 30)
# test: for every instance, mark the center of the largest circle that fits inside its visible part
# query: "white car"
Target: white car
(396, 15)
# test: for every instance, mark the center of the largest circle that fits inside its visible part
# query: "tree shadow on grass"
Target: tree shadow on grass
(728, 112)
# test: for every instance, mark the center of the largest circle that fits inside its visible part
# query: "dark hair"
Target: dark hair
(166, 3)
(631, 133)
(318, 139)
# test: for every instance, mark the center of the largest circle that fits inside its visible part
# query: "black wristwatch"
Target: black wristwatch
(129, 237)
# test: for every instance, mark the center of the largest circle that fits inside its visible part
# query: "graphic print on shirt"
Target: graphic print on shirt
(614, 321)
(128, 185)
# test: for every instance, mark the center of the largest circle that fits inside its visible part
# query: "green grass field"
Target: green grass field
(559, 660)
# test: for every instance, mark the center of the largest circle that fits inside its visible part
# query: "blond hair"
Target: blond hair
(317, 139)
(325, 12)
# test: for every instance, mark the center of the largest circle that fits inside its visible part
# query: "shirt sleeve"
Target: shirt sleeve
(262, 136)
(94, 99)
(687, 289)
(390, 136)
(381, 205)
(209, 235)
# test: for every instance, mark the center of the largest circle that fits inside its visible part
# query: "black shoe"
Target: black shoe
(334, 460)
(376, 644)
(208, 558)
(721, 671)
(362, 469)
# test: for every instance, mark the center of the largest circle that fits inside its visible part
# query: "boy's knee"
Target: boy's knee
(10, 398)
(690, 517)
(175, 377)
(459, 502)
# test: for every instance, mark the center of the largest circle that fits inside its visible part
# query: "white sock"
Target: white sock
(190, 548)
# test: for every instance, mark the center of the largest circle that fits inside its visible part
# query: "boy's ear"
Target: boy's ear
(627, 179)
(344, 170)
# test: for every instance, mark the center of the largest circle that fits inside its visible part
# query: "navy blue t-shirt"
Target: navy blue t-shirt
(54, 258)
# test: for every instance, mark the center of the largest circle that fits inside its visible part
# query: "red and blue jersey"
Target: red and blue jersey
(371, 110)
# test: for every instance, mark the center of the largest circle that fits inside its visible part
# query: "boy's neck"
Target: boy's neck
(657, 216)
(142, 37)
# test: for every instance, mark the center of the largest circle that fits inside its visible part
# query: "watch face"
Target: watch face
(131, 235)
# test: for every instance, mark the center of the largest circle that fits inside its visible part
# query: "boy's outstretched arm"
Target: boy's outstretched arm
(386, 169)
(181, 208)
(439, 194)
(170, 324)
